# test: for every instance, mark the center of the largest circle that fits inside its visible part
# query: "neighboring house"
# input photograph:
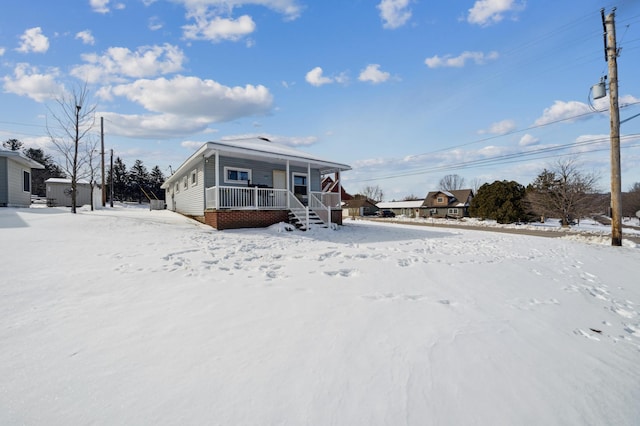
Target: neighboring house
(329, 185)
(59, 192)
(254, 183)
(405, 208)
(453, 204)
(359, 207)
(15, 178)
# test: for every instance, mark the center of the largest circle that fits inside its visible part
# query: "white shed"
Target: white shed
(59, 192)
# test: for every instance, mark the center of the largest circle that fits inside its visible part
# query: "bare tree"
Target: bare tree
(564, 190)
(451, 183)
(412, 197)
(73, 119)
(476, 183)
(373, 192)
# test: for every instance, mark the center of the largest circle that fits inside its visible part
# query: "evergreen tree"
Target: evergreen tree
(12, 144)
(139, 181)
(39, 176)
(120, 180)
(501, 200)
(156, 179)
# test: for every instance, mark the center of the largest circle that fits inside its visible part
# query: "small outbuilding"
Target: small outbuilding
(15, 178)
(59, 192)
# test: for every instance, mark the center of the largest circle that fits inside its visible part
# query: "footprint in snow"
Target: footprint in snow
(341, 273)
(583, 333)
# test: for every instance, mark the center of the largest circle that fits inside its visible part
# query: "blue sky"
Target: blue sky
(405, 91)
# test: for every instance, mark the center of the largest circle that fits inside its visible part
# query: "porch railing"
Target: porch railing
(323, 211)
(232, 197)
(328, 199)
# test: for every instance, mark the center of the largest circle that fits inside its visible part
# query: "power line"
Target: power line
(508, 158)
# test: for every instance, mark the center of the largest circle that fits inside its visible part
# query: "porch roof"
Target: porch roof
(262, 150)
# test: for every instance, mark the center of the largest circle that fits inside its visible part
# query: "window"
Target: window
(440, 200)
(236, 175)
(453, 212)
(26, 181)
(185, 182)
(177, 188)
(299, 184)
(194, 177)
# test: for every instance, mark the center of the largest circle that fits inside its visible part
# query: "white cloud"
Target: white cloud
(120, 62)
(394, 13)
(289, 8)
(315, 77)
(86, 37)
(373, 74)
(560, 110)
(459, 61)
(211, 25)
(528, 140)
(33, 41)
(217, 29)
(195, 99)
(28, 81)
(99, 6)
(2, 50)
(155, 23)
(487, 12)
(153, 126)
(500, 128)
(102, 6)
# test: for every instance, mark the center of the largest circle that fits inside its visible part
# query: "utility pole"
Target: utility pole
(111, 182)
(104, 189)
(74, 174)
(611, 52)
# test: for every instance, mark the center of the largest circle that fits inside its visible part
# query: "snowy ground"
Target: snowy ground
(130, 316)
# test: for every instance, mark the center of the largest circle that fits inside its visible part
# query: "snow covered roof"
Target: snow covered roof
(65, 180)
(260, 149)
(400, 204)
(21, 158)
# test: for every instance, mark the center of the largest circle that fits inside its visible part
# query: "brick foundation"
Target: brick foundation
(233, 219)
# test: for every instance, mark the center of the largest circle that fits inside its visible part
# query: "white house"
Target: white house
(254, 183)
(15, 178)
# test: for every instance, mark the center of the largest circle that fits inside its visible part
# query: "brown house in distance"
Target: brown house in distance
(453, 204)
(359, 206)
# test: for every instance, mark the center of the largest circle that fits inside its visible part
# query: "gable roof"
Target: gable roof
(328, 185)
(21, 158)
(456, 198)
(358, 202)
(258, 149)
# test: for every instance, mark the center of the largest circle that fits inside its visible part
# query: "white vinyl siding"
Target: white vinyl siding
(17, 197)
(189, 198)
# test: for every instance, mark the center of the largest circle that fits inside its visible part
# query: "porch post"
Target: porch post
(337, 176)
(217, 179)
(288, 186)
(308, 191)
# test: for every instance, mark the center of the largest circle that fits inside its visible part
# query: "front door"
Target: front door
(279, 179)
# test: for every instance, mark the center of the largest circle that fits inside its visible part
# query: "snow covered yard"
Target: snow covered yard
(130, 316)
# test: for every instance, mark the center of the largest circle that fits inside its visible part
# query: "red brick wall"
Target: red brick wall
(233, 219)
